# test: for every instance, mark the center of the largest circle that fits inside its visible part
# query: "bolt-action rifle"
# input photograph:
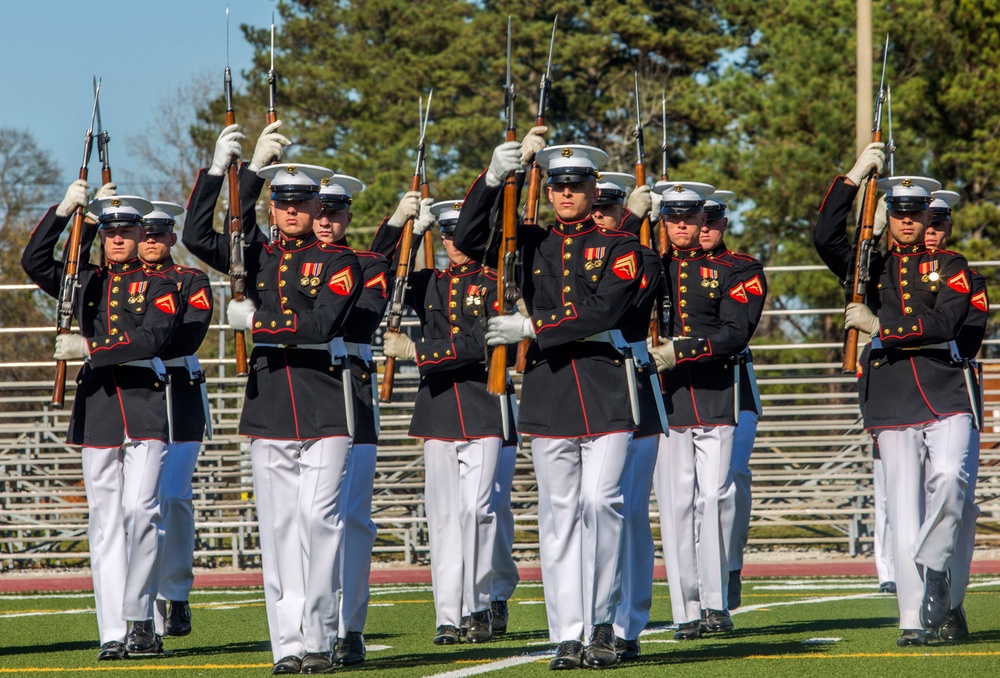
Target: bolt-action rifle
(404, 265)
(237, 266)
(67, 292)
(645, 230)
(866, 236)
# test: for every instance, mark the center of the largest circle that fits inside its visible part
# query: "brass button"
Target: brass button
(454, 292)
(452, 304)
(288, 323)
(905, 283)
(138, 308)
(456, 330)
(284, 300)
(684, 288)
(684, 315)
(538, 271)
(905, 259)
(257, 324)
(684, 302)
(288, 311)
(448, 352)
(684, 264)
(569, 241)
(114, 290)
(566, 289)
(274, 324)
(454, 280)
(903, 269)
(114, 331)
(567, 255)
(914, 328)
(114, 302)
(683, 276)
(593, 278)
(281, 283)
(288, 255)
(298, 243)
(313, 291)
(436, 354)
(687, 328)
(453, 316)
(114, 316)
(283, 268)
(566, 272)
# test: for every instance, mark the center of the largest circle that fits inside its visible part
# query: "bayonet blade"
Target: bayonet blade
(272, 41)
(507, 83)
(881, 88)
(552, 44)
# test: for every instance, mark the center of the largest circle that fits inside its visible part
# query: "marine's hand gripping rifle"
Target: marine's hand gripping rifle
(67, 292)
(863, 251)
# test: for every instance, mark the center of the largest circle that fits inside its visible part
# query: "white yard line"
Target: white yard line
(492, 666)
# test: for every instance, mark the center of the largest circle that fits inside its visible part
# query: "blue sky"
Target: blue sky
(142, 49)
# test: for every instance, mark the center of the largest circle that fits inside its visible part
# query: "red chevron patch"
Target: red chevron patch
(166, 303)
(201, 300)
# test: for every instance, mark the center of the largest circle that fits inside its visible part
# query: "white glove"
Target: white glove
(506, 159)
(270, 146)
(532, 142)
(239, 314)
(508, 329)
(663, 355)
(408, 208)
(640, 201)
(107, 190)
(872, 157)
(76, 196)
(654, 209)
(425, 220)
(227, 150)
(398, 345)
(70, 347)
(880, 216)
(861, 318)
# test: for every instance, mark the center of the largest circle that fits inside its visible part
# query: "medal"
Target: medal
(304, 281)
(315, 282)
(589, 266)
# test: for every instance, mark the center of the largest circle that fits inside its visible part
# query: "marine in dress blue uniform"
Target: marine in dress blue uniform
(709, 326)
(299, 294)
(755, 285)
(914, 396)
(580, 282)
(126, 315)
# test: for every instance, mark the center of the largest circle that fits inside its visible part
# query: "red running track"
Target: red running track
(422, 575)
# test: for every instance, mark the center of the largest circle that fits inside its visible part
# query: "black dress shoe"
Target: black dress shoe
(142, 639)
(716, 621)
(446, 635)
(569, 655)
(351, 650)
(178, 622)
(887, 587)
(955, 627)
(912, 637)
(317, 662)
(480, 627)
(937, 600)
(735, 597)
(500, 614)
(111, 651)
(289, 664)
(688, 631)
(627, 650)
(600, 652)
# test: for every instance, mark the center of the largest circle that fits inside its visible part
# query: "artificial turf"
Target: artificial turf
(787, 627)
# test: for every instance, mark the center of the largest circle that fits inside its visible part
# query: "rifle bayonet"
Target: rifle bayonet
(272, 81)
(663, 142)
(890, 147)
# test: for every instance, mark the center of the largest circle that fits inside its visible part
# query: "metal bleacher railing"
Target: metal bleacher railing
(811, 463)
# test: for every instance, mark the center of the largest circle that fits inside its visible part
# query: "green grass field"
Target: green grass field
(787, 627)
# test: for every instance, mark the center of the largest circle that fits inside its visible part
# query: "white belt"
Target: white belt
(363, 351)
(613, 337)
(336, 347)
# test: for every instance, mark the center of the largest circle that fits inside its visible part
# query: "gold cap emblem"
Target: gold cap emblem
(457, 206)
(906, 183)
(567, 152)
(291, 169)
(325, 181)
(115, 202)
(678, 188)
(600, 177)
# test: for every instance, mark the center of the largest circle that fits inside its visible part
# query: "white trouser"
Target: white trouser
(961, 563)
(505, 575)
(926, 482)
(638, 550)
(458, 494)
(359, 538)
(694, 491)
(743, 439)
(123, 499)
(297, 486)
(580, 529)
(884, 563)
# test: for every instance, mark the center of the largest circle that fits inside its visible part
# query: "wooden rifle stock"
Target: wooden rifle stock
(496, 382)
(861, 254)
(237, 271)
(530, 219)
(68, 296)
(396, 303)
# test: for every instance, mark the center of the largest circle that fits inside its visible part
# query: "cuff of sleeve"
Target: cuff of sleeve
(692, 350)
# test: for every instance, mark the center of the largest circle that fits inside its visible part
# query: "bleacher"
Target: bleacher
(811, 465)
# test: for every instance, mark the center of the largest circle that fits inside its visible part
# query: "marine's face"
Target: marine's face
(331, 225)
(907, 228)
(120, 244)
(294, 218)
(683, 230)
(609, 216)
(155, 247)
(712, 233)
(572, 201)
(936, 235)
